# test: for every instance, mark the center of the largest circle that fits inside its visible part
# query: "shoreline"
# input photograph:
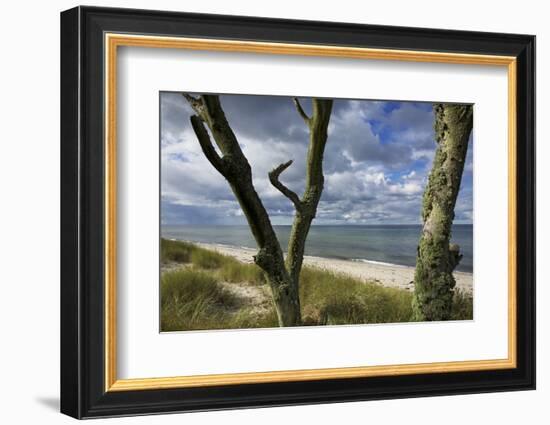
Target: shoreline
(389, 275)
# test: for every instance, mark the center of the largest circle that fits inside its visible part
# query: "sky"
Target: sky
(377, 159)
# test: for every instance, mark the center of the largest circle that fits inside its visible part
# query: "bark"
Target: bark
(233, 165)
(318, 125)
(436, 257)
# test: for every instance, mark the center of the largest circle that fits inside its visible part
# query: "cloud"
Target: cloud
(376, 161)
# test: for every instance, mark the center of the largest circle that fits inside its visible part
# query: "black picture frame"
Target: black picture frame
(83, 392)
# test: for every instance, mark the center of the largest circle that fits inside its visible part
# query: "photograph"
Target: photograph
(281, 211)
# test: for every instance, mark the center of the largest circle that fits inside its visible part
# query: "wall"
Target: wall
(29, 224)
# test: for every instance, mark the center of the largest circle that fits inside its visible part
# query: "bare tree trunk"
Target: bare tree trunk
(436, 258)
(234, 166)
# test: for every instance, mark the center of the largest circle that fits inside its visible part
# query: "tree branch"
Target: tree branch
(206, 144)
(197, 104)
(274, 179)
(231, 163)
(301, 110)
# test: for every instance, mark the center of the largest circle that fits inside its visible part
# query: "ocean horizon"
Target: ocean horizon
(385, 243)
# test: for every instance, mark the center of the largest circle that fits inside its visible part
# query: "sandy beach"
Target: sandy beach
(390, 275)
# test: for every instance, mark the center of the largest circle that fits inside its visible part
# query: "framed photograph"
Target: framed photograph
(261, 212)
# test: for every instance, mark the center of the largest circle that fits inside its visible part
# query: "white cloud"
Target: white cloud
(376, 162)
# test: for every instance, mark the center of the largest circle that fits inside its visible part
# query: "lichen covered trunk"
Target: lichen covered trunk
(436, 257)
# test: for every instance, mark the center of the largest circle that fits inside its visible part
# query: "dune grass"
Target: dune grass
(190, 300)
(463, 307)
(236, 272)
(194, 297)
(226, 268)
(175, 251)
(333, 299)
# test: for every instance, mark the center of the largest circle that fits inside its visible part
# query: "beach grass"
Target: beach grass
(190, 300)
(463, 307)
(195, 295)
(333, 299)
(205, 259)
(236, 272)
(175, 251)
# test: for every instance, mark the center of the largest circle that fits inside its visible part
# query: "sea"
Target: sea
(387, 244)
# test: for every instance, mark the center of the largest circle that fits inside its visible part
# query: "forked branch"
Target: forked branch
(274, 179)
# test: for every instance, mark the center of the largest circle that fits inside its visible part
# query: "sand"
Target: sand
(390, 275)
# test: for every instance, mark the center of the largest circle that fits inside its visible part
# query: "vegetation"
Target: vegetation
(189, 300)
(175, 251)
(333, 299)
(202, 289)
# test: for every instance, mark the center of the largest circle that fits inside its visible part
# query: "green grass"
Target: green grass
(334, 299)
(205, 259)
(190, 299)
(228, 268)
(463, 307)
(247, 318)
(235, 272)
(175, 251)
(193, 297)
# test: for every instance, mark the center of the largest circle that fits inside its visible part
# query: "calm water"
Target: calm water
(394, 244)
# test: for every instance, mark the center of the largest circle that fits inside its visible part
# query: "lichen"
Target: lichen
(436, 258)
